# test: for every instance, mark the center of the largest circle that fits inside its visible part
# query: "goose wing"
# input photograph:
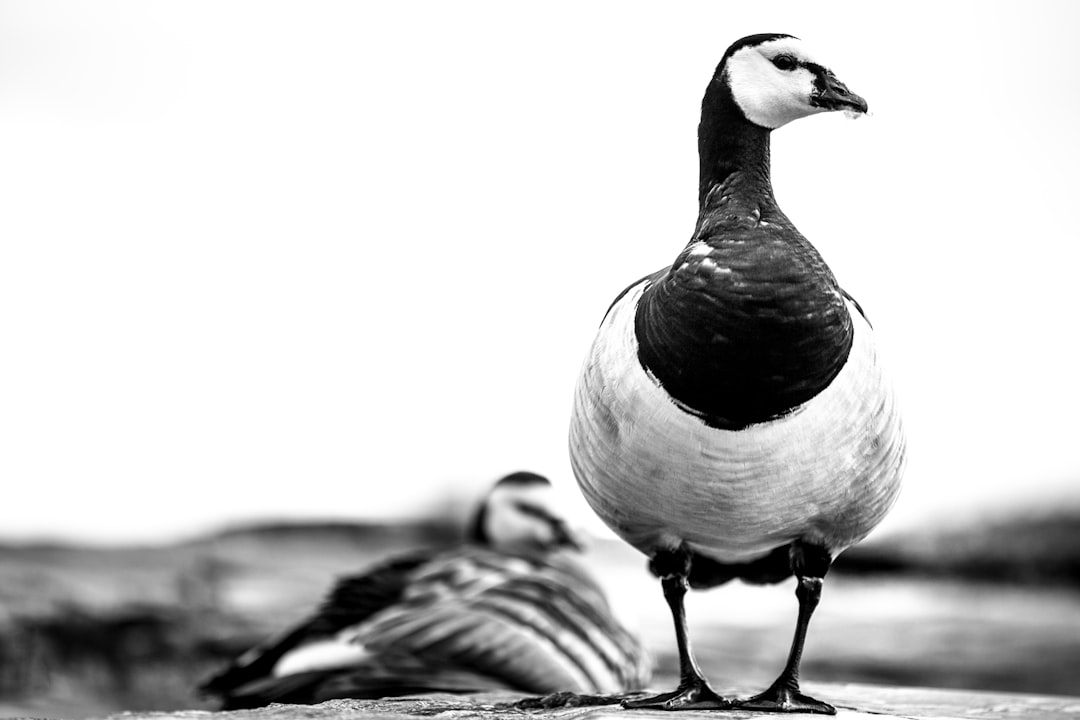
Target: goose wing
(352, 600)
(858, 307)
(537, 625)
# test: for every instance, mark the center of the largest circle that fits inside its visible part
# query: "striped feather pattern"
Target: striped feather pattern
(537, 625)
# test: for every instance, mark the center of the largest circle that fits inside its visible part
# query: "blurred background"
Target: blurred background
(284, 286)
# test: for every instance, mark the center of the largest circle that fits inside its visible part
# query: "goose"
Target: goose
(732, 419)
(508, 610)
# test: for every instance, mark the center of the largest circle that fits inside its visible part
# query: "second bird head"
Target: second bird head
(521, 513)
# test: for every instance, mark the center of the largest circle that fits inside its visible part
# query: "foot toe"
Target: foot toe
(790, 701)
(696, 697)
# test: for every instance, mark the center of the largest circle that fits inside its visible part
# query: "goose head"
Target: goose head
(774, 79)
(521, 514)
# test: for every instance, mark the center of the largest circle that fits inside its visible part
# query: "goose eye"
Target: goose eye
(785, 62)
(531, 510)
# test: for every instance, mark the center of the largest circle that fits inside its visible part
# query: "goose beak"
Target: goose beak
(831, 94)
(568, 537)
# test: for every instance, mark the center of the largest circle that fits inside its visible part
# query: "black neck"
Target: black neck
(733, 152)
(755, 325)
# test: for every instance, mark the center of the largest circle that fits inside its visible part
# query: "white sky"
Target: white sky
(344, 259)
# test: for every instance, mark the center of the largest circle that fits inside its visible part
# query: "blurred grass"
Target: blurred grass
(88, 631)
(1030, 549)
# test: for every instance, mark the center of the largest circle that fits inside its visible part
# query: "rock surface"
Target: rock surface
(852, 701)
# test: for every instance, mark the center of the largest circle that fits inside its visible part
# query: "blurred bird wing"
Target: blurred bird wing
(356, 598)
(352, 600)
(532, 624)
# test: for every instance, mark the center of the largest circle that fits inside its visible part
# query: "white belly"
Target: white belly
(827, 473)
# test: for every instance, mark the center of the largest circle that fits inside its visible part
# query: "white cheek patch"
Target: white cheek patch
(507, 526)
(768, 96)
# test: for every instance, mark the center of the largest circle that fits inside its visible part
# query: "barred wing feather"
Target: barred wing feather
(534, 625)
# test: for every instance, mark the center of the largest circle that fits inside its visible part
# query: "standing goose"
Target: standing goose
(507, 611)
(732, 420)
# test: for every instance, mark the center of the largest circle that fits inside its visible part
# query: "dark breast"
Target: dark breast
(748, 331)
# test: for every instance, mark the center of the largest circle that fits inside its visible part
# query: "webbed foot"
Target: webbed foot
(781, 698)
(688, 696)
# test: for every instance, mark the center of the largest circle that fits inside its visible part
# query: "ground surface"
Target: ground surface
(852, 701)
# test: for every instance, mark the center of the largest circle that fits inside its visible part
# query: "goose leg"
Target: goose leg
(693, 692)
(810, 564)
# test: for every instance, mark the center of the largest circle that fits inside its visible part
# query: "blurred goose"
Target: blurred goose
(507, 611)
(732, 419)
